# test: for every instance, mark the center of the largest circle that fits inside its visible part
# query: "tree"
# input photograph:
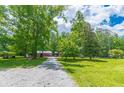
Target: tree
(118, 43)
(33, 26)
(107, 40)
(5, 35)
(79, 26)
(68, 46)
(87, 40)
(91, 46)
(53, 42)
(116, 53)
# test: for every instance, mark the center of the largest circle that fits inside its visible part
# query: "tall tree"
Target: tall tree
(33, 26)
(5, 34)
(53, 42)
(107, 40)
(91, 46)
(79, 26)
(88, 43)
(67, 45)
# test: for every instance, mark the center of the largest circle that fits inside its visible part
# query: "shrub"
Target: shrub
(69, 49)
(8, 54)
(116, 53)
(1, 54)
(11, 53)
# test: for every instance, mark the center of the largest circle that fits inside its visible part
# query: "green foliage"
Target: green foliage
(53, 43)
(91, 47)
(8, 54)
(1, 54)
(87, 40)
(116, 53)
(79, 26)
(32, 27)
(11, 53)
(27, 29)
(5, 35)
(118, 43)
(68, 46)
(69, 49)
(108, 40)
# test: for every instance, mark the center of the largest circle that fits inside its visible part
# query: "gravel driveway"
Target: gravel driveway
(49, 74)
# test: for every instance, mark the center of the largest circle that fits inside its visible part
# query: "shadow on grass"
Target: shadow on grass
(70, 70)
(81, 60)
(70, 67)
(74, 65)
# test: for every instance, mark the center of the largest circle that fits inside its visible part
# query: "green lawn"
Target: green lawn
(98, 72)
(20, 62)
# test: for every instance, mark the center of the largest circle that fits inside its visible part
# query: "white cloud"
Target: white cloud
(99, 13)
(59, 20)
(94, 15)
(69, 14)
(119, 28)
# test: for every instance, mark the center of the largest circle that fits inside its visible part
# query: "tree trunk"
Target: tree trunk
(90, 58)
(34, 56)
(35, 36)
(25, 52)
(34, 49)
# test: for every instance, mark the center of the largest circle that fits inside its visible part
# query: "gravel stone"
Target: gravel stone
(49, 74)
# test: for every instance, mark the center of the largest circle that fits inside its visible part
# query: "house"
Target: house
(46, 53)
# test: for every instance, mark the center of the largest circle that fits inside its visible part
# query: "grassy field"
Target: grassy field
(20, 62)
(98, 72)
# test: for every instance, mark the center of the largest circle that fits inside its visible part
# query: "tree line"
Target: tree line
(84, 41)
(27, 29)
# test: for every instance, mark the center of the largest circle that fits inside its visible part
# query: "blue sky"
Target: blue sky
(115, 19)
(105, 16)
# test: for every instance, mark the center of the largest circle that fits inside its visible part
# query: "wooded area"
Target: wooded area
(27, 29)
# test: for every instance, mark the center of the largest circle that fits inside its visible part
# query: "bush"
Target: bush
(69, 49)
(1, 54)
(8, 54)
(11, 53)
(116, 53)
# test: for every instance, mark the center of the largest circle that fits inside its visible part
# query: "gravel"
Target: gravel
(49, 74)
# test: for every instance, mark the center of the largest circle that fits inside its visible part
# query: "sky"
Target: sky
(105, 16)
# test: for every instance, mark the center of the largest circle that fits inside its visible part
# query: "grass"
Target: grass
(20, 62)
(95, 73)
